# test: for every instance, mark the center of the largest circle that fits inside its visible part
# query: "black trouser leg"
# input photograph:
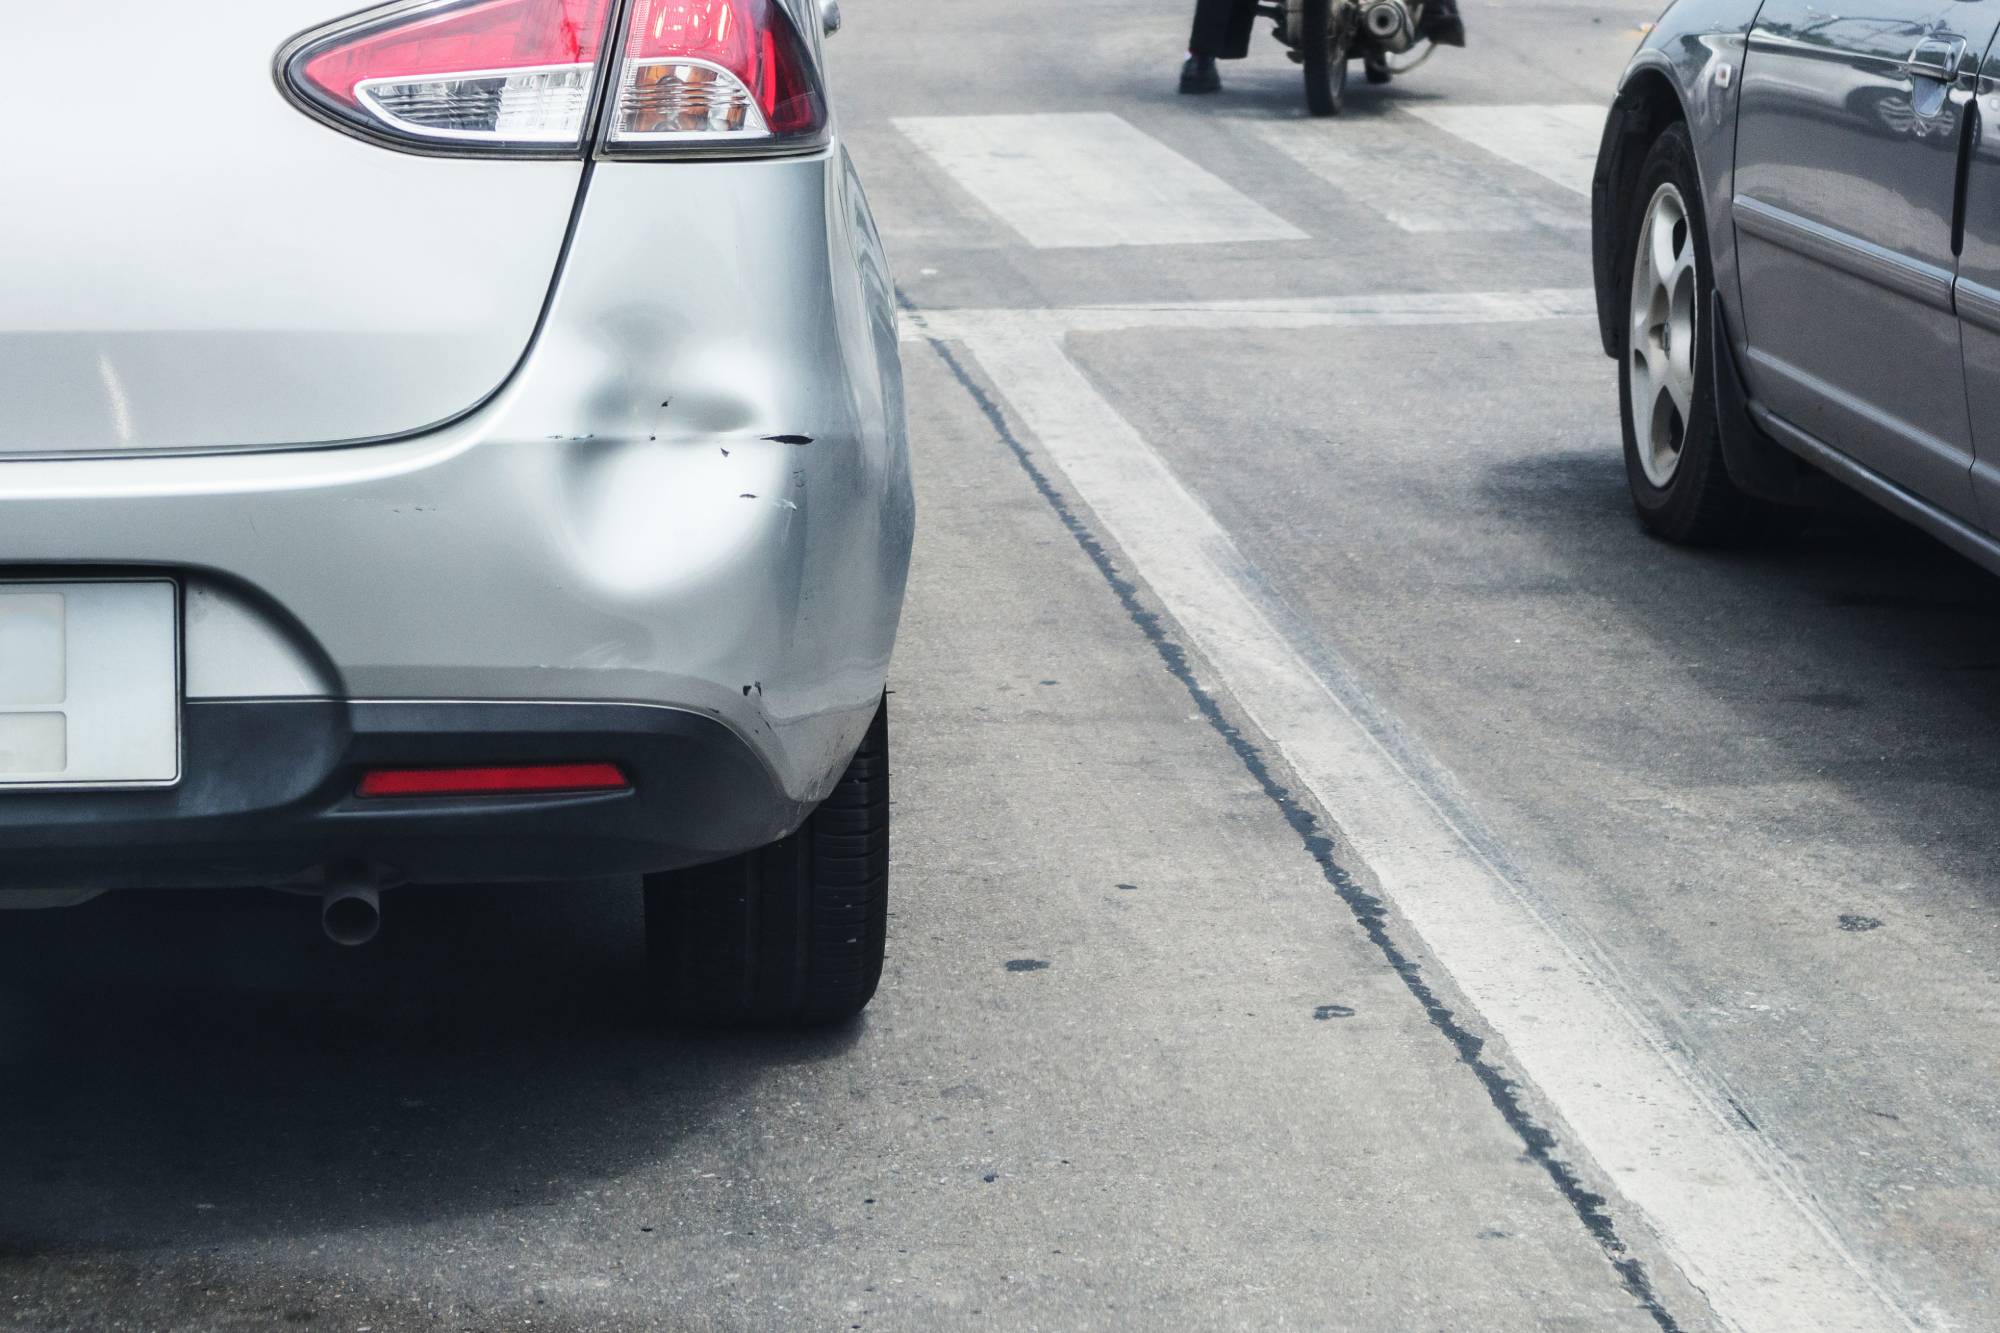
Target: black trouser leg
(1222, 29)
(1442, 24)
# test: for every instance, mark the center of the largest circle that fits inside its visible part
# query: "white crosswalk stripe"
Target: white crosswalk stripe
(1558, 142)
(1090, 180)
(1416, 178)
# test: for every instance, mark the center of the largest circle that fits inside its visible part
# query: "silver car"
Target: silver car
(458, 441)
(1797, 244)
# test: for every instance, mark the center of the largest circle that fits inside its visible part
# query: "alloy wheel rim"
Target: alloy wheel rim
(1661, 357)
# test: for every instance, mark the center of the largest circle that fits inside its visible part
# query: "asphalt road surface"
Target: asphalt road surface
(1346, 875)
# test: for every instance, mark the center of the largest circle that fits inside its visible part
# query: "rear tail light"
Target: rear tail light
(465, 74)
(726, 73)
(487, 780)
(507, 77)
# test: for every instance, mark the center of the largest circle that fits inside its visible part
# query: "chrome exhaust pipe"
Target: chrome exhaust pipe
(1388, 22)
(350, 908)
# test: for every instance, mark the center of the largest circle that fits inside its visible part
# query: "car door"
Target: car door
(1847, 171)
(1978, 291)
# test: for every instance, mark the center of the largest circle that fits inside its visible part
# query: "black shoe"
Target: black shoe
(1199, 76)
(1376, 68)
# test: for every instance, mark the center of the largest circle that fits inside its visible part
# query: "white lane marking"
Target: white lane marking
(1722, 1204)
(1089, 179)
(1402, 171)
(1286, 312)
(1559, 142)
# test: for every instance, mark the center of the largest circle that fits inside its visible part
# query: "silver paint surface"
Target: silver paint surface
(199, 265)
(614, 525)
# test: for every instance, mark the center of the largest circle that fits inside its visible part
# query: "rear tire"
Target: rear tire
(1674, 464)
(1323, 53)
(789, 934)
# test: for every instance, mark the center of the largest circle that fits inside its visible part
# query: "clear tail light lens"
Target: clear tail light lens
(469, 75)
(707, 75)
(506, 77)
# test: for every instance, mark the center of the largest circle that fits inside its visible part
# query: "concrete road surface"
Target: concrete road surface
(1346, 876)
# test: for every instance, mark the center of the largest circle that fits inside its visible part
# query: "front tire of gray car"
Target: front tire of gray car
(1666, 392)
(790, 934)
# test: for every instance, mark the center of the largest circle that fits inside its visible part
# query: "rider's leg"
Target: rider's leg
(1441, 23)
(1221, 32)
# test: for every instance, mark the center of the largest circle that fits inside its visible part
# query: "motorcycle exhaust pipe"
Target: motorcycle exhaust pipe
(1388, 22)
(350, 909)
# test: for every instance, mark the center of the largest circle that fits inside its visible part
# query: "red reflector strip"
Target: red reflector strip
(546, 778)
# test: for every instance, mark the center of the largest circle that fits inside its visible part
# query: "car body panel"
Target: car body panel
(453, 461)
(212, 268)
(1846, 176)
(271, 798)
(1977, 296)
(694, 493)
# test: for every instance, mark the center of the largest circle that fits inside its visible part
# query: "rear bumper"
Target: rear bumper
(268, 797)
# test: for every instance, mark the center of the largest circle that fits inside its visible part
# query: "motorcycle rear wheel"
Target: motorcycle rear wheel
(1323, 53)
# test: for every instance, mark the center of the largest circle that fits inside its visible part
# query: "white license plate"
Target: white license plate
(90, 684)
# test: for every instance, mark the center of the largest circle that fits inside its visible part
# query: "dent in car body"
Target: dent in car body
(574, 539)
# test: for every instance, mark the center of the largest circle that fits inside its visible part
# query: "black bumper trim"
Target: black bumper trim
(267, 796)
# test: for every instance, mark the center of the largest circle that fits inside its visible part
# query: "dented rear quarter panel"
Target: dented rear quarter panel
(694, 493)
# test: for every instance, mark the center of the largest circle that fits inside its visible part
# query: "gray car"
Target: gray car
(458, 441)
(1797, 247)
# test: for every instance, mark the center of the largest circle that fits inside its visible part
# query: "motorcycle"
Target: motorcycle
(1324, 35)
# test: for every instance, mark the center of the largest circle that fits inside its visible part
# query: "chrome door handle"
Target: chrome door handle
(1936, 58)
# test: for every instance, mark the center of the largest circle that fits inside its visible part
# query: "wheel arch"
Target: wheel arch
(1647, 102)
(1650, 99)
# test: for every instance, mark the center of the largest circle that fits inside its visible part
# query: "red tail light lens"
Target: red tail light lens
(465, 74)
(517, 779)
(732, 75)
